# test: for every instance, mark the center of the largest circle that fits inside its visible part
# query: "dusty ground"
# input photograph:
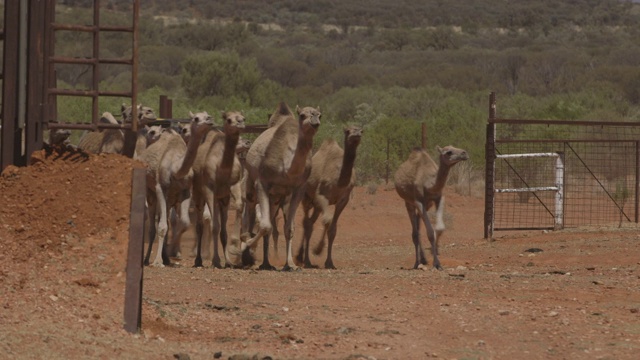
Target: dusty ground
(63, 245)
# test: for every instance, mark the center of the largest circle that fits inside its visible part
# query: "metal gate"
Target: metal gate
(600, 178)
(29, 86)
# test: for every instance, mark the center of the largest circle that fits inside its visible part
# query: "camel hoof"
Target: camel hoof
(267, 267)
(311, 266)
(197, 264)
(157, 264)
(330, 266)
(421, 267)
(290, 268)
(437, 267)
(217, 265)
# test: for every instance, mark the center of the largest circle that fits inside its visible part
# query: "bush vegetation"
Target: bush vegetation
(390, 66)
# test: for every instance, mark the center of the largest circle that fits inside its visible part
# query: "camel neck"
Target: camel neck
(441, 179)
(346, 171)
(189, 156)
(229, 153)
(299, 162)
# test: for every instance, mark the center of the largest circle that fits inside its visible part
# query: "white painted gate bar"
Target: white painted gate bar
(558, 188)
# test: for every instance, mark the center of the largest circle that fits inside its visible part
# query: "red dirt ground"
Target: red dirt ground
(63, 246)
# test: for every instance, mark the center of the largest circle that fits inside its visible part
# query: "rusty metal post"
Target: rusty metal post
(490, 156)
(133, 289)
(33, 136)
(165, 107)
(10, 131)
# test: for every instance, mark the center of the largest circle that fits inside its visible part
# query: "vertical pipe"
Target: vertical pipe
(637, 184)
(559, 214)
(164, 107)
(95, 114)
(386, 178)
(134, 66)
(490, 155)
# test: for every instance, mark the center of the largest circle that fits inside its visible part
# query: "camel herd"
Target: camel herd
(196, 166)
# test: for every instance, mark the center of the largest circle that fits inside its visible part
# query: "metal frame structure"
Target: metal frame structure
(29, 91)
(596, 173)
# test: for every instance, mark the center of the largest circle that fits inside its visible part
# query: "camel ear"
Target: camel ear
(123, 107)
(298, 109)
(439, 149)
(224, 115)
(191, 115)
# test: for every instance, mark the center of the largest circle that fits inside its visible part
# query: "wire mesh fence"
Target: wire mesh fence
(598, 183)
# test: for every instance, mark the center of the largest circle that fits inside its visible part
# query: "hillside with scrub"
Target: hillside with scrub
(386, 65)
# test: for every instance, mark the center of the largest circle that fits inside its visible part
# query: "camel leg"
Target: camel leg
(200, 224)
(415, 235)
(206, 234)
(440, 227)
(151, 216)
(215, 231)
(307, 224)
(289, 215)
(224, 218)
(333, 229)
(162, 226)
(265, 226)
(322, 203)
(181, 224)
(432, 239)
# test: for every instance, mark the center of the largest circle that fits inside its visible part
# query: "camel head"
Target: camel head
(153, 133)
(201, 123)
(243, 146)
(233, 122)
(309, 118)
(145, 114)
(450, 155)
(352, 135)
(185, 131)
(59, 136)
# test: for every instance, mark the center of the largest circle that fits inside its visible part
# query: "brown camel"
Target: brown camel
(217, 169)
(147, 136)
(420, 181)
(279, 164)
(169, 181)
(330, 183)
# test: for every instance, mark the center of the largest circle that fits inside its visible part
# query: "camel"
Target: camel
(331, 181)
(216, 170)
(111, 141)
(420, 183)
(236, 203)
(169, 180)
(278, 165)
(147, 136)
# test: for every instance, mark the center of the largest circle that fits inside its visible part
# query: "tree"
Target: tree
(220, 74)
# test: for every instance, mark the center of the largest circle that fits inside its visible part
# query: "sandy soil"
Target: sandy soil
(63, 246)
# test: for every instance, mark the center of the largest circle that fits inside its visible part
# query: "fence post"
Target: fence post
(490, 155)
(133, 287)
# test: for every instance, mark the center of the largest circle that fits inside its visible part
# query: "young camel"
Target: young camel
(279, 164)
(420, 182)
(330, 183)
(169, 181)
(216, 170)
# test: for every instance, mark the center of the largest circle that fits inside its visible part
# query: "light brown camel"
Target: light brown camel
(420, 181)
(112, 140)
(216, 170)
(236, 203)
(331, 181)
(169, 181)
(147, 136)
(279, 164)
